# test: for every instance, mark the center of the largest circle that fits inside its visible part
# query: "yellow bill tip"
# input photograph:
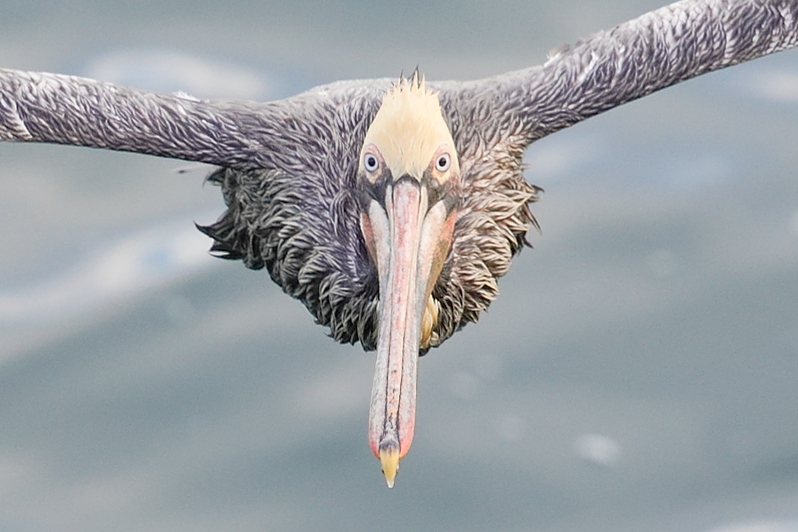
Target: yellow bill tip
(389, 458)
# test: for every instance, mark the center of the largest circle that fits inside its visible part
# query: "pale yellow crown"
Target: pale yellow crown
(409, 128)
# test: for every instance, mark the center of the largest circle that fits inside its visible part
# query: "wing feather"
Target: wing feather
(654, 51)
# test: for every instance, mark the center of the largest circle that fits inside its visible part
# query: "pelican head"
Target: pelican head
(409, 190)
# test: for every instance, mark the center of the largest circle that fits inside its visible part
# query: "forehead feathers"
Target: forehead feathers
(409, 128)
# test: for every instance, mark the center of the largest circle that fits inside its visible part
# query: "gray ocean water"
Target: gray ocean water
(637, 373)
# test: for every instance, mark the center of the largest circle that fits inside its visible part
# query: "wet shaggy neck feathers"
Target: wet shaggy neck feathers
(299, 218)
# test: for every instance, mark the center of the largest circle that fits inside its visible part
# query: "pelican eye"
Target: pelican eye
(443, 162)
(370, 162)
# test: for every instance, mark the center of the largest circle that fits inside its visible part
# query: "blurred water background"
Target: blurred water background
(637, 373)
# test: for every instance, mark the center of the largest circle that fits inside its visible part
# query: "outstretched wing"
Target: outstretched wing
(41, 107)
(657, 50)
(288, 172)
(53, 108)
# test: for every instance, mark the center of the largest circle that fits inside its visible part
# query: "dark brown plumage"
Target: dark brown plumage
(272, 222)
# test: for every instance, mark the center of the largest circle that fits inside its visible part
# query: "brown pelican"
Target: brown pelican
(391, 209)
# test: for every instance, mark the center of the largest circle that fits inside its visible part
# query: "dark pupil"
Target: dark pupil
(371, 162)
(442, 162)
